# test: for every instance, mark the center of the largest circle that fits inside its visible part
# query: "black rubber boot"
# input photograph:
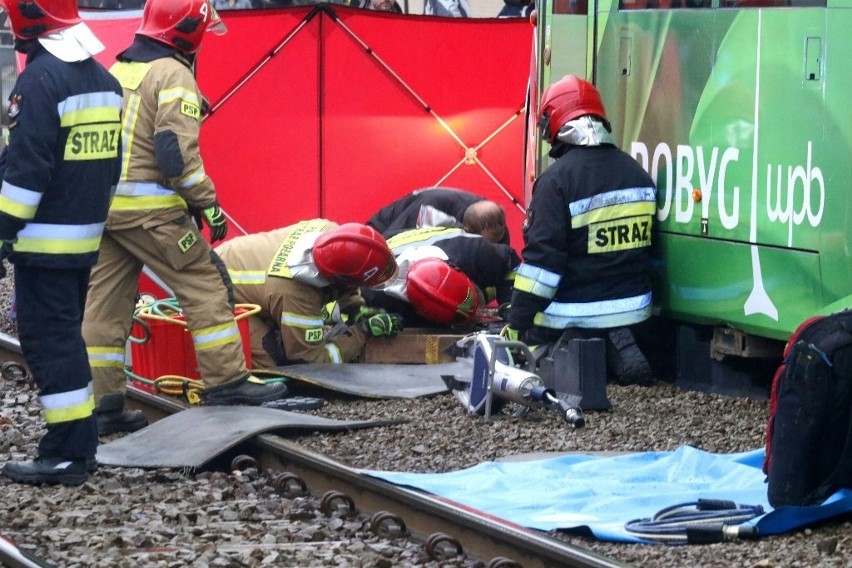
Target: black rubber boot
(248, 391)
(625, 360)
(48, 470)
(113, 418)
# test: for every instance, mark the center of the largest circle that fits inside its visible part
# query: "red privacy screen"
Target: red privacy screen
(328, 111)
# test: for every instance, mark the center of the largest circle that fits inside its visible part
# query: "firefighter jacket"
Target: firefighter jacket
(587, 234)
(491, 266)
(275, 271)
(64, 129)
(433, 207)
(162, 173)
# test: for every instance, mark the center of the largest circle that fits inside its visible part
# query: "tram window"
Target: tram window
(772, 3)
(663, 4)
(570, 6)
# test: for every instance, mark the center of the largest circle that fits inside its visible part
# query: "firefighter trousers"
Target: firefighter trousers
(50, 315)
(197, 284)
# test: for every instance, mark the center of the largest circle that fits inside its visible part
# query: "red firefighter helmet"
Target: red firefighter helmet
(35, 18)
(354, 255)
(180, 23)
(566, 99)
(440, 292)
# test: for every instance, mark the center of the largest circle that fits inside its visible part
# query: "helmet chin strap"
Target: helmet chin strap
(25, 45)
(585, 131)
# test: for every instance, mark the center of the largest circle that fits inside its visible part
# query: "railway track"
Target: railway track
(446, 529)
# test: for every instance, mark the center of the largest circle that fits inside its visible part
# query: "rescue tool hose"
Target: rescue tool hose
(700, 522)
(169, 311)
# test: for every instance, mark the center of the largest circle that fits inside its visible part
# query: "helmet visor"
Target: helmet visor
(380, 277)
(216, 25)
(544, 126)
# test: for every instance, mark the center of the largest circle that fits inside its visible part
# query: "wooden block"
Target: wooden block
(415, 345)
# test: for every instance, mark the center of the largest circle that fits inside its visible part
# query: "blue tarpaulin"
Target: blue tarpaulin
(601, 494)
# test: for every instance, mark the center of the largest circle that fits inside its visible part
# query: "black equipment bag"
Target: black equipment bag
(809, 432)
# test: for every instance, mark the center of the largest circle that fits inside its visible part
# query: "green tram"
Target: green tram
(740, 110)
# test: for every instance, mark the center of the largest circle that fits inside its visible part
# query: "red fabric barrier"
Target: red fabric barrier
(333, 112)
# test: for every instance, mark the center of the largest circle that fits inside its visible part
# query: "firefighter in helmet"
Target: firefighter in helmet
(55, 193)
(293, 274)
(441, 292)
(586, 269)
(163, 185)
(428, 290)
(488, 267)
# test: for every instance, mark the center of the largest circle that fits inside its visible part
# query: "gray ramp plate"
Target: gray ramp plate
(376, 380)
(193, 437)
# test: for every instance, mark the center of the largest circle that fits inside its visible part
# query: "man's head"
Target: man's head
(440, 292)
(31, 19)
(353, 255)
(180, 23)
(568, 98)
(485, 218)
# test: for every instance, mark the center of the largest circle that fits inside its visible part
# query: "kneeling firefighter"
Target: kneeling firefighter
(586, 270)
(293, 273)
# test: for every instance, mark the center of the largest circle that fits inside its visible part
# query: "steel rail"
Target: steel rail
(10, 348)
(425, 516)
(478, 533)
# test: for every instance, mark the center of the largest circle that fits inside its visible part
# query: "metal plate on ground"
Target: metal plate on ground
(376, 380)
(193, 437)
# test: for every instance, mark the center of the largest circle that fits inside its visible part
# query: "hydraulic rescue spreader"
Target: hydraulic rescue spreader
(500, 374)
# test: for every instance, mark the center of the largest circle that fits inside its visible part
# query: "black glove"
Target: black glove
(216, 221)
(387, 325)
(503, 310)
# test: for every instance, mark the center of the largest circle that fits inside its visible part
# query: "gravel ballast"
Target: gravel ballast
(170, 518)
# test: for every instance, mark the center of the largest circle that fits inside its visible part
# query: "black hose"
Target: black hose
(699, 522)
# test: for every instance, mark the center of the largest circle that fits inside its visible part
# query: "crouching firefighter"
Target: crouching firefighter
(163, 183)
(491, 266)
(586, 269)
(293, 273)
(428, 290)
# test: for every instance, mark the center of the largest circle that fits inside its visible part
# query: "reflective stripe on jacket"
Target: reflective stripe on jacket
(65, 123)
(162, 100)
(586, 259)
